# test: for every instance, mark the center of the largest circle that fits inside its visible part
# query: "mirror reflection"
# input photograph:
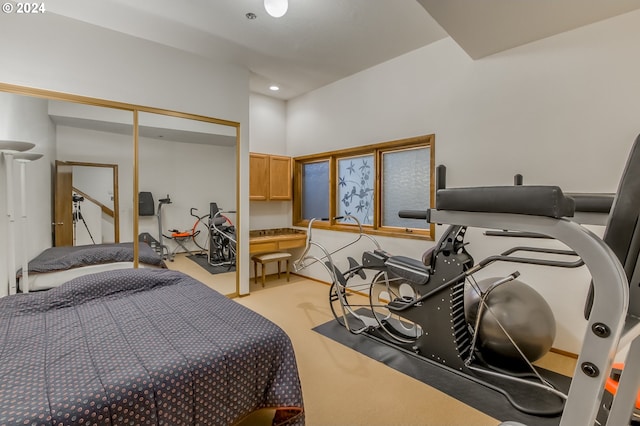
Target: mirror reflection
(94, 170)
(82, 194)
(187, 183)
(91, 189)
(72, 194)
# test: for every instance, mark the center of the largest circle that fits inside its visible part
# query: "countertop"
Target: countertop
(263, 240)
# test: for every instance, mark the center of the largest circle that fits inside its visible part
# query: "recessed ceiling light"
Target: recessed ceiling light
(274, 88)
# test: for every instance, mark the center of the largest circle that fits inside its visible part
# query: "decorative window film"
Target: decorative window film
(356, 176)
(315, 190)
(405, 186)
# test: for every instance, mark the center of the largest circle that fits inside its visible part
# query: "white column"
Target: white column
(9, 149)
(11, 233)
(22, 159)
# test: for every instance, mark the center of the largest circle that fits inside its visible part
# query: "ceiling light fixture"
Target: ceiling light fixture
(276, 8)
(274, 88)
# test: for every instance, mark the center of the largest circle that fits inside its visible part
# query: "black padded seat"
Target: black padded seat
(409, 268)
(592, 203)
(531, 200)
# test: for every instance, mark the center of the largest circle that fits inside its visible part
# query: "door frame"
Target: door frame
(63, 190)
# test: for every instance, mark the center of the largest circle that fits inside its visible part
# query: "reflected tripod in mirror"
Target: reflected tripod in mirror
(86, 203)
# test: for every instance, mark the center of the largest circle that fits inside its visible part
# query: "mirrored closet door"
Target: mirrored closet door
(98, 156)
(187, 172)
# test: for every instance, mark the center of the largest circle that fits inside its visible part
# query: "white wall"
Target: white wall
(193, 175)
(268, 124)
(97, 183)
(83, 145)
(268, 136)
(562, 110)
(55, 53)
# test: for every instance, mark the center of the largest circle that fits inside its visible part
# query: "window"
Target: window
(355, 187)
(315, 184)
(372, 183)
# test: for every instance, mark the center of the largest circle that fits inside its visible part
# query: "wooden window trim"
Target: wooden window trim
(377, 150)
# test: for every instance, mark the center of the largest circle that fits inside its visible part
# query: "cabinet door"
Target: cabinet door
(280, 178)
(258, 177)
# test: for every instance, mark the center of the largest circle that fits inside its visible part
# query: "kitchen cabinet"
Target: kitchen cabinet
(269, 177)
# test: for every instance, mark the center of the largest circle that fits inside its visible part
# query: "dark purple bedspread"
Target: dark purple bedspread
(63, 258)
(140, 347)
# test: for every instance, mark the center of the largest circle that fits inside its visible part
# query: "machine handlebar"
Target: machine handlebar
(413, 214)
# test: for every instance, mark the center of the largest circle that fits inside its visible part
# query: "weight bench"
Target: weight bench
(265, 258)
(180, 238)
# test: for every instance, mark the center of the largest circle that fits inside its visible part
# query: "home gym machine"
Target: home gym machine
(146, 208)
(222, 236)
(423, 306)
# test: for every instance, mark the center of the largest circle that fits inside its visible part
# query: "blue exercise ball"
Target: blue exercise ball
(521, 311)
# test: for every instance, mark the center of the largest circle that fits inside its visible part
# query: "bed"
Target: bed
(141, 347)
(57, 265)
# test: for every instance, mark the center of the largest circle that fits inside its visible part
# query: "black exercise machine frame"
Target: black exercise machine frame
(439, 310)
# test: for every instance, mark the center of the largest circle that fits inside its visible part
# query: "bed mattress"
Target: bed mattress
(57, 265)
(141, 347)
(48, 280)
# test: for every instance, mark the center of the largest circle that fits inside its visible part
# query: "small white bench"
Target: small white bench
(265, 258)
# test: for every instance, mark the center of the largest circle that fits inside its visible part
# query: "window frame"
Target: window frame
(377, 150)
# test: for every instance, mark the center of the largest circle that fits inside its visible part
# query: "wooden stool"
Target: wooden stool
(265, 258)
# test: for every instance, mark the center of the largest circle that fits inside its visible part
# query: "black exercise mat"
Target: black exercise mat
(202, 261)
(464, 390)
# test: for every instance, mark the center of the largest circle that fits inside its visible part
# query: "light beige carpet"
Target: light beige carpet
(224, 283)
(343, 387)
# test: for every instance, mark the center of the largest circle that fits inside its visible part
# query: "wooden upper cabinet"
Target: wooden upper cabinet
(279, 178)
(258, 177)
(269, 177)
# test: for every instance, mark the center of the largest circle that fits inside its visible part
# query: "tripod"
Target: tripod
(77, 216)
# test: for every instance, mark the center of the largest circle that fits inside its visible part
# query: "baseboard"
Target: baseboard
(564, 353)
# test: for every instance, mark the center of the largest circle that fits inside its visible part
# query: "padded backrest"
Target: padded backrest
(145, 204)
(213, 209)
(622, 233)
